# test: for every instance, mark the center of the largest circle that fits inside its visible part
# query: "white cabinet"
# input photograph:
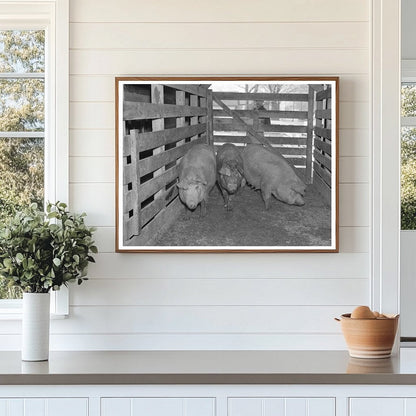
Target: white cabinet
(44, 407)
(382, 406)
(269, 406)
(146, 406)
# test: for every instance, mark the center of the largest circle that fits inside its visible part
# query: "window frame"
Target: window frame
(53, 17)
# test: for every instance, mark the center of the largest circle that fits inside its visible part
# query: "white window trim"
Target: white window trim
(385, 98)
(52, 15)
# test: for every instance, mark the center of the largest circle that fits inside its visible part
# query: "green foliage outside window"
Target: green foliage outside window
(408, 160)
(21, 110)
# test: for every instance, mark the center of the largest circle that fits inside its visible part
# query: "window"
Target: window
(22, 124)
(408, 155)
(33, 111)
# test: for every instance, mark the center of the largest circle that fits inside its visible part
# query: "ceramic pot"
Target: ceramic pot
(35, 326)
(369, 338)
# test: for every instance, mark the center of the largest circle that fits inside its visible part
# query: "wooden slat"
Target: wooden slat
(323, 173)
(298, 161)
(130, 201)
(190, 88)
(279, 128)
(154, 139)
(324, 146)
(324, 94)
(322, 159)
(153, 208)
(160, 223)
(273, 140)
(133, 97)
(325, 114)
(266, 114)
(260, 96)
(131, 225)
(154, 185)
(301, 151)
(158, 97)
(152, 163)
(143, 111)
(210, 118)
(193, 101)
(322, 132)
(309, 136)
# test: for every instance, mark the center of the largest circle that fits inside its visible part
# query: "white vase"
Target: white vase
(35, 326)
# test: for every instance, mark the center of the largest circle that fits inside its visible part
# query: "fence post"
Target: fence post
(210, 118)
(309, 136)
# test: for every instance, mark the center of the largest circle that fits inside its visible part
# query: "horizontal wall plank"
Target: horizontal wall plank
(354, 205)
(232, 62)
(94, 143)
(352, 239)
(147, 342)
(101, 87)
(91, 169)
(91, 115)
(217, 11)
(200, 266)
(238, 35)
(105, 239)
(96, 199)
(219, 291)
(354, 142)
(354, 170)
(201, 319)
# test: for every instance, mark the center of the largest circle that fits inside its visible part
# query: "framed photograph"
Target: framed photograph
(236, 164)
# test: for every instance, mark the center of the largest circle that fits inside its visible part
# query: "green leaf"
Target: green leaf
(56, 262)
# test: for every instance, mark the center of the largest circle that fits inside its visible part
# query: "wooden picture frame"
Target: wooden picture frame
(267, 119)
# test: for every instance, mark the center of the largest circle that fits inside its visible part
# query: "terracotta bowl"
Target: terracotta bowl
(369, 338)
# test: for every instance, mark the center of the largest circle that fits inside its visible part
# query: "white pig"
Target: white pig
(197, 175)
(269, 172)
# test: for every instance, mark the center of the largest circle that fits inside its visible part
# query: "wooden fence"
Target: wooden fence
(161, 123)
(323, 141)
(262, 117)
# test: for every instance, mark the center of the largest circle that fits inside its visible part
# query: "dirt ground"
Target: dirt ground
(249, 224)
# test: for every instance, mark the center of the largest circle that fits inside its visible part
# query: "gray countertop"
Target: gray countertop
(207, 367)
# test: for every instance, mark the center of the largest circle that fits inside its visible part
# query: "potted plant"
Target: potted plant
(40, 252)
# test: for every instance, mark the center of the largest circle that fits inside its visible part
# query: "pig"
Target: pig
(197, 175)
(230, 172)
(269, 172)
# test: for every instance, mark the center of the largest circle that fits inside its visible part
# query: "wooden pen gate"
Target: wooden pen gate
(161, 123)
(296, 125)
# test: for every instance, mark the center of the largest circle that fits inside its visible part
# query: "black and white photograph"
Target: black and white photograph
(227, 164)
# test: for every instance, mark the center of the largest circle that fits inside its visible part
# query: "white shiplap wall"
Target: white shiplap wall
(218, 301)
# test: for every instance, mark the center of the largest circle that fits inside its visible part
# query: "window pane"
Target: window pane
(21, 182)
(408, 178)
(22, 104)
(22, 51)
(408, 100)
